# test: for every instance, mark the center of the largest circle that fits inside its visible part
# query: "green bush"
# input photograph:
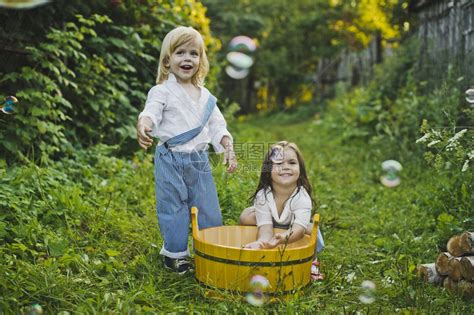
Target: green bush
(388, 114)
(71, 95)
(84, 80)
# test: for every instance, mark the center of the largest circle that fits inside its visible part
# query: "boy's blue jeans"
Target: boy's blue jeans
(183, 180)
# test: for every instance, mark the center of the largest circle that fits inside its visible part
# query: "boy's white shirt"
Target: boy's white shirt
(297, 209)
(172, 112)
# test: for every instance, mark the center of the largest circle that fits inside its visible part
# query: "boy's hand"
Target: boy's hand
(229, 154)
(229, 157)
(143, 127)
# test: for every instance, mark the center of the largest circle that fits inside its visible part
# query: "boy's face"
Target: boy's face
(184, 61)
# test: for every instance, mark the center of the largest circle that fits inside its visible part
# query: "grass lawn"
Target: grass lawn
(82, 236)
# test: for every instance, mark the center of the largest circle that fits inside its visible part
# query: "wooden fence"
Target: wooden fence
(444, 30)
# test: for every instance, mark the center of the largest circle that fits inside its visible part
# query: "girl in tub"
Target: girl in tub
(282, 199)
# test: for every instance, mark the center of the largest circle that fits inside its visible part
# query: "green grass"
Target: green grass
(81, 236)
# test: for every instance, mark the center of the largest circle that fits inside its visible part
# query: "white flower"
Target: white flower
(432, 143)
(457, 136)
(424, 138)
(465, 166)
(470, 156)
(350, 277)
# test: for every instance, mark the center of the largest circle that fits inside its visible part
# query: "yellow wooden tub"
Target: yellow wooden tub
(222, 263)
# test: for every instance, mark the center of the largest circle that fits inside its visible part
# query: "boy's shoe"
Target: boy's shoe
(179, 265)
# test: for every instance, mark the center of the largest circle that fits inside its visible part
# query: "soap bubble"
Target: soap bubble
(9, 104)
(22, 4)
(239, 56)
(390, 177)
(35, 309)
(258, 281)
(236, 73)
(239, 60)
(258, 285)
(277, 154)
(367, 292)
(470, 96)
(242, 43)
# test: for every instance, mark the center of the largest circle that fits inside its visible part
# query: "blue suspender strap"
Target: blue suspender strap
(190, 134)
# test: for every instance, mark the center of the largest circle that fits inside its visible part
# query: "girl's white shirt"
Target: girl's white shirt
(296, 210)
(172, 112)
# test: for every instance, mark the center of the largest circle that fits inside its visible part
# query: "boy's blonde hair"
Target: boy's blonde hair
(175, 38)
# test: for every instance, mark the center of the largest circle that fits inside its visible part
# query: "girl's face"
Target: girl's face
(184, 61)
(285, 168)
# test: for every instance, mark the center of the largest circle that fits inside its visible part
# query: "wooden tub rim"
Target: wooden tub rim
(195, 230)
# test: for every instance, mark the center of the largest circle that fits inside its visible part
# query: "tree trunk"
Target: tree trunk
(466, 243)
(429, 273)
(454, 268)
(460, 245)
(450, 284)
(463, 287)
(466, 288)
(453, 246)
(442, 263)
(467, 268)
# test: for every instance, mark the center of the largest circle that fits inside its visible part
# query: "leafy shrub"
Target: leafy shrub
(86, 79)
(72, 95)
(450, 151)
(388, 113)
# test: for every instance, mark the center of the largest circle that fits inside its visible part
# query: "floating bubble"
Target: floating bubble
(235, 73)
(258, 281)
(470, 96)
(35, 309)
(242, 43)
(9, 104)
(240, 60)
(390, 181)
(256, 298)
(277, 154)
(367, 292)
(22, 4)
(391, 165)
(238, 57)
(258, 285)
(390, 178)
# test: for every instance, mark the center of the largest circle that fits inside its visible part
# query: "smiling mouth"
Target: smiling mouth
(186, 67)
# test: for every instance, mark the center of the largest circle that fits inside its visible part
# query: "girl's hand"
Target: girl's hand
(254, 245)
(276, 240)
(143, 127)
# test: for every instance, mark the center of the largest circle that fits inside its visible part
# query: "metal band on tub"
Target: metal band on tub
(253, 263)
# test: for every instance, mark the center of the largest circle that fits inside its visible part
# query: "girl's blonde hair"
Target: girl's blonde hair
(265, 181)
(175, 38)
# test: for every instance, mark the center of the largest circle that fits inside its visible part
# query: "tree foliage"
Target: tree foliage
(82, 77)
(293, 36)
